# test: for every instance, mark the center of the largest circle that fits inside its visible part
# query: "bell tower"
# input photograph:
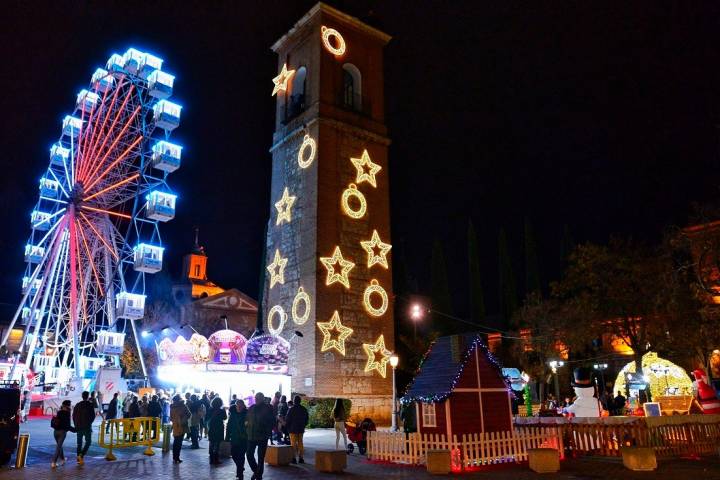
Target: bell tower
(329, 272)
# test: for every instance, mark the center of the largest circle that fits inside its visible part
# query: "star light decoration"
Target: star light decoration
(281, 81)
(277, 269)
(334, 325)
(379, 258)
(373, 350)
(364, 175)
(284, 206)
(337, 260)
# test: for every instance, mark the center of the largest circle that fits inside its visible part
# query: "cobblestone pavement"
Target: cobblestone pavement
(132, 464)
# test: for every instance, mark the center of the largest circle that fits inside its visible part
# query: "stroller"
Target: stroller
(358, 434)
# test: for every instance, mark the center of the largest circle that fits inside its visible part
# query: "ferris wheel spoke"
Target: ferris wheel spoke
(99, 131)
(91, 134)
(96, 152)
(119, 159)
(109, 212)
(100, 237)
(90, 258)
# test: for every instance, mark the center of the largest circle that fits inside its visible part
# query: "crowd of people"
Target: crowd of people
(248, 427)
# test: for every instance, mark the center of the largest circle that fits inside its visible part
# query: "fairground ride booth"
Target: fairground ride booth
(226, 363)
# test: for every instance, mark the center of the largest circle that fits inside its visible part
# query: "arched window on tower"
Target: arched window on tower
(352, 87)
(297, 101)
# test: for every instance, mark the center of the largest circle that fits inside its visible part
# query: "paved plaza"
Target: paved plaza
(132, 464)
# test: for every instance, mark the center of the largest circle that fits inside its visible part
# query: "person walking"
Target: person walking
(83, 416)
(296, 421)
(339, 416)
(204, 426)
(197, 412)
(112, 412)
(61, 425)
(179, 415)
(155, 411)
(127, 401)
(260, 421)
(282, 428)
(216, 428)
(237, 433)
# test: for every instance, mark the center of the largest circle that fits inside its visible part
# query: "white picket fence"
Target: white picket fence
(476, 449)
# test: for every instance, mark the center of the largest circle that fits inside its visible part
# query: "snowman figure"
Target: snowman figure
(585, 404)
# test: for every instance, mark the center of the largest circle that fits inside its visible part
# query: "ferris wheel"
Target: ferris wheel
(95, 227)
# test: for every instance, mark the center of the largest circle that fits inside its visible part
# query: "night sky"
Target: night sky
(597, 115)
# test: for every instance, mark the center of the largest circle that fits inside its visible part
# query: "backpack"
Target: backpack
(54, 422)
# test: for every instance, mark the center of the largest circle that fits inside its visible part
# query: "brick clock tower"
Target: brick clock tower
(329, 273)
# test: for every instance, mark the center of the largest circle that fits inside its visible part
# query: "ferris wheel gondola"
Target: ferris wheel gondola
(95, 227)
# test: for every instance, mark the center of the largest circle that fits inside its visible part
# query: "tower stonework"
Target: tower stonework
(331, 110)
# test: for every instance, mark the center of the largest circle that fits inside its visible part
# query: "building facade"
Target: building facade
(328, 243)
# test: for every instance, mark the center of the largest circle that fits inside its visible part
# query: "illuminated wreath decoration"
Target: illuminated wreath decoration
(352, 191)
(339, 47)
(276, 310)
(375, 287)
(301, 297)
(308, 142)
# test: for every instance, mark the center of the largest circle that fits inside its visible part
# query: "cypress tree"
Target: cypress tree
(532, 270)
(477, 301)
(507, 290)
(441, 301)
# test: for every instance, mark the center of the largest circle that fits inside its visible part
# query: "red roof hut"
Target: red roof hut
(460, 389)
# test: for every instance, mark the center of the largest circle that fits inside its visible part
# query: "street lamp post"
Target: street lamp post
(416, 314)
(394, 363)
(554, 365)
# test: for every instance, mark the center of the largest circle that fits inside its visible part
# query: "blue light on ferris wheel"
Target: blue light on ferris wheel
(166, 156)
(102, 79)
(147, 258)
(167, 115)
(160, 206)
(71, 126)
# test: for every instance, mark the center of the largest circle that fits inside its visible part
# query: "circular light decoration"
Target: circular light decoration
(352, 191)
(375, 287)
(304, 298)
(337, 45)
(308, 142)
(276, 310)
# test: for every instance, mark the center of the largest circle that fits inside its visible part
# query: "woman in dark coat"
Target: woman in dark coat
(237, 434)
(61, 425)
(216, 428)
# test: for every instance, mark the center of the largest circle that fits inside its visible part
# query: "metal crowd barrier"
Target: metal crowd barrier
(129, 432)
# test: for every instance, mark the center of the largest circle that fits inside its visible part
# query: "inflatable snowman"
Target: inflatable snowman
(585, 405)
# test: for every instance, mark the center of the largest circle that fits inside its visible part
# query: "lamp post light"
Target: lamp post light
(554, 365)
(394, 363)
(601, 367)
(416, 313)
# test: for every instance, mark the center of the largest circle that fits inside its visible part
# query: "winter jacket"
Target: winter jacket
(296, 419)
(283, 409)
(179, 415)
(154, 409)
(134, 410)
(260, 422)
(216, 427)
(112, 409)
(83, 415)
(197, 409)
(236, 429)
(63, 421)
